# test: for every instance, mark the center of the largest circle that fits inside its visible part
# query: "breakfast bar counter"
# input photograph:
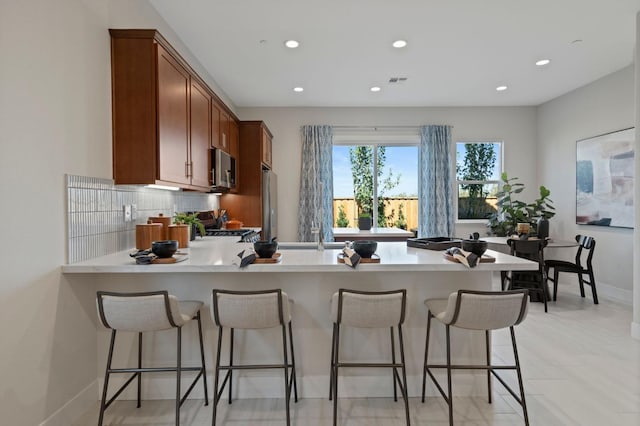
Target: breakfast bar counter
(219, 254)
(310, 277)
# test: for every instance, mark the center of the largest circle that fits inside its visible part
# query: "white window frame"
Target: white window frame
(457, 182)
(374, 137)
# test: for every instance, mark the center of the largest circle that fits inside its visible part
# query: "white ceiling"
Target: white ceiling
(458, 52)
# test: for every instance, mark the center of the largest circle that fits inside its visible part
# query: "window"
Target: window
(380, 174)
(478, 170)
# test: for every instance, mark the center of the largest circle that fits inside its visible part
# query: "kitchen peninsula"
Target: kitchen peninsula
(310, 277)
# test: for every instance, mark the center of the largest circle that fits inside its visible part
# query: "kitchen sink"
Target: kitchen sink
(308, 246)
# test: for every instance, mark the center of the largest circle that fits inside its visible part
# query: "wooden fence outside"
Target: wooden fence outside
(408, 205)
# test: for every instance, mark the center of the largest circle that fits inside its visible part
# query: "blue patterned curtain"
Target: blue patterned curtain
(436, 188)
(316, 183)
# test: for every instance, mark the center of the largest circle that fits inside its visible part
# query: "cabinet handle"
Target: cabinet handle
(186, 169)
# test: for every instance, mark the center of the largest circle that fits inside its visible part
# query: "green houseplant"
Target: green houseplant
(364, 220)
(192, 220)
(512, 211)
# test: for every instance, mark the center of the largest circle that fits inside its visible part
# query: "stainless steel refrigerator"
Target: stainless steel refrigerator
(269, 205)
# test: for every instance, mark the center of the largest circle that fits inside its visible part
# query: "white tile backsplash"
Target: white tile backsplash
(95, 221)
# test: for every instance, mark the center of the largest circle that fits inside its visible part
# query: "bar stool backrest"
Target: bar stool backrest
(250, 309)
(486, 310)
(369, 309)
(148, 311)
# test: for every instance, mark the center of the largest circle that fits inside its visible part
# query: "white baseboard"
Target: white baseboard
(615, 294)
(635, 330)
(74, 408)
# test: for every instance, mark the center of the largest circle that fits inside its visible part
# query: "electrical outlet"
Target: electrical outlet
(126, 212)
(134, 212)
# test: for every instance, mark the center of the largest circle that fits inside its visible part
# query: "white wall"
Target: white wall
(603, 106)
(515, 126)
(55, 118)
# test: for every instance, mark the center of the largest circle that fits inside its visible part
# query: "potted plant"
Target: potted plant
(364, 220)
(192, 220)
(511, 211)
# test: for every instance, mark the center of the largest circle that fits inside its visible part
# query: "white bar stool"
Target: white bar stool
(367, 309)
(149, 311)
(478, 310)
(252, 310)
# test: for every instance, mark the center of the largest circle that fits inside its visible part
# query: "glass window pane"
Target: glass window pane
(477, 201)
(478, 161)
(397, 186)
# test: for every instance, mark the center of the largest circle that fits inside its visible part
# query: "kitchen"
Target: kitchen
(56, 121)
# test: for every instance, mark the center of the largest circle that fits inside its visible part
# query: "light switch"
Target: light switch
(134, 212)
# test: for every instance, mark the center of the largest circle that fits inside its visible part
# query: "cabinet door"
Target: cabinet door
(234, 150)
(224, 131)
(173, 119)
(216, 142)
(266, 148)
(200, 135)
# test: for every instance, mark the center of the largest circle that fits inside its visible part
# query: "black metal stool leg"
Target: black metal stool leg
(426, 352)
(105, 386)
(333, 360)
(450, 393)
(517, 359)
(581, 282)
(293, 365)
(287, 389)
(335, 375)
(405, 391)
(556, 274)
(394, 372)
(204, 369)
(488, 349)
(139, 366)
(230, 365)
(178, 375)
(216, 378)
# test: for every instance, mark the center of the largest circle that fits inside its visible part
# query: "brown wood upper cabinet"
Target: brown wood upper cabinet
(266, 147)
(165, 118)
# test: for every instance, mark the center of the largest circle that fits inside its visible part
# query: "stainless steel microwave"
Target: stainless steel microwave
(223, 171)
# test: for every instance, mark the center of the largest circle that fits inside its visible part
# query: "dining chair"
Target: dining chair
(534, 281)
(587, 245)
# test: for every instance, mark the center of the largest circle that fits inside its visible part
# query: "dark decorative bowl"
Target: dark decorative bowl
(477, 247)
(164, 248)
(265, 249)
(365, 248)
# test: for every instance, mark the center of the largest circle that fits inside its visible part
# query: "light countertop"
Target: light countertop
(372, 233)
(215, 254)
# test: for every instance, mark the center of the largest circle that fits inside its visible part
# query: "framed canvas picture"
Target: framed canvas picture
(605, 179)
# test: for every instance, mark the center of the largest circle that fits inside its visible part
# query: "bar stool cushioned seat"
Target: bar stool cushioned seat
(385, 309)
(252, 310)
(143, 312)
(477, 310)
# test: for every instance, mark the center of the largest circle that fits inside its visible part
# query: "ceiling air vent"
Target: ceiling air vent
(397, 80)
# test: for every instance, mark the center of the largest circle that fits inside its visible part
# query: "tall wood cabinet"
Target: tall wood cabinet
(165, 118)
(254, 148)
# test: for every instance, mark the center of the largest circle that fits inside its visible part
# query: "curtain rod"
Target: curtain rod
(417, 126)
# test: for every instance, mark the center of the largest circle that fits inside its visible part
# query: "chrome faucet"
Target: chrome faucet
(317, 233)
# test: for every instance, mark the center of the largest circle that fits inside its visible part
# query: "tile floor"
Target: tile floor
(580, 366)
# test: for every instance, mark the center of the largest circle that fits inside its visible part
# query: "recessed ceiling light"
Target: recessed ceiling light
(375, 89)
(291, 44)
(398, 44)
(542, 62)
(298, 89)
(501, 88)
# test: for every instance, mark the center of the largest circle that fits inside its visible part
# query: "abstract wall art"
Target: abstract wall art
(605, 179)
